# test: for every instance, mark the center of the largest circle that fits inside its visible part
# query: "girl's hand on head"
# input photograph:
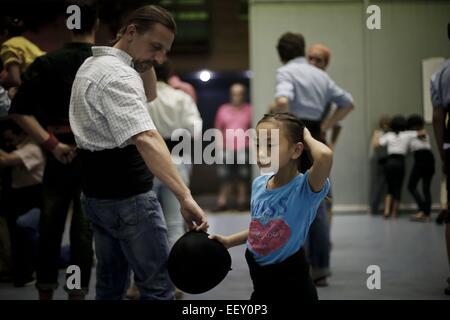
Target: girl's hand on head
(306, 133)
(222, 239)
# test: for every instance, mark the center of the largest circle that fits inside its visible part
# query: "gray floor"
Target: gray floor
(411, 256)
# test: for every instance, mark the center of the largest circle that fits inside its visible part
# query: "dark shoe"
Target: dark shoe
(133, 293)
(441, 217)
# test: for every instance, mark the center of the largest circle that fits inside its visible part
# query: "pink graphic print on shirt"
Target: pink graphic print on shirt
(265, 239)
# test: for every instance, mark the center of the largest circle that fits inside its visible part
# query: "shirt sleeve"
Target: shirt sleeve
(31, 155)
(337, 95)
(314, 198)
(284, 86)
(9, 55)
(439, 91)
(123, 104)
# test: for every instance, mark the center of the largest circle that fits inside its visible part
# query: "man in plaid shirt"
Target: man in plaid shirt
(120, 151)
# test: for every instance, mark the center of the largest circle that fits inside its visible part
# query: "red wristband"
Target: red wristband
(50, 143)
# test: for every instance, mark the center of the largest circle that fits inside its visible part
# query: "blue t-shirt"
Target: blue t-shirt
(280, 218)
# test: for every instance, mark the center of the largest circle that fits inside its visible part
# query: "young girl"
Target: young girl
(423, 169)
(283, 206)
(397, 142)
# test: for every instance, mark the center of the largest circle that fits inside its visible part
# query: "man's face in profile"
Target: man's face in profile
(150, 47)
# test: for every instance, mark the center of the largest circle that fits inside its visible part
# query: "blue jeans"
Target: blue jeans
(129, 234)
(170, 205)
(318, 243)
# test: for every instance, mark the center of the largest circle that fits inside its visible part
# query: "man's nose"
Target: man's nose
(160, 57)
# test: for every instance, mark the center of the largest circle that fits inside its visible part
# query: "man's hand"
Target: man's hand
(193, 215)
(281, 105)
(64, 153)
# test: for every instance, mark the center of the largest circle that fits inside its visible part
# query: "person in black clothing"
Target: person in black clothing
(423, 170)
(41, 107)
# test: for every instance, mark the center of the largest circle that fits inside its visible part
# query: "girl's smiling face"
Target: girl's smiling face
(274, 149)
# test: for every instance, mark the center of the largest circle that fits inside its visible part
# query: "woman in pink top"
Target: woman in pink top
(236, 116)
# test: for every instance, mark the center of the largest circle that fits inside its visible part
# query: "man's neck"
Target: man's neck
(122, 45)
(83, 38)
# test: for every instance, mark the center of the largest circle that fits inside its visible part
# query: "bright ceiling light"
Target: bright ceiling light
(205, 76)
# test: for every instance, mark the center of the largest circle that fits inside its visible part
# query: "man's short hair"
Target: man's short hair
(290, 46)
(89, 15)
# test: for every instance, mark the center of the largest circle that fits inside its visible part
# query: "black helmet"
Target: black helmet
(197, 264)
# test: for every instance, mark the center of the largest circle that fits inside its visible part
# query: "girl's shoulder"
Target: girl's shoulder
(260, 181)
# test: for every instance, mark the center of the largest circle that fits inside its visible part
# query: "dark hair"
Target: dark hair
(163, 71)
(290, 46)
(415, 122)
(294, 126)
(89, 15)
(145, 18)
(398, 123)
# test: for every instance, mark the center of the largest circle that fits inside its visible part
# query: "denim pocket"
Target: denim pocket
(150, 211)
(127, 212)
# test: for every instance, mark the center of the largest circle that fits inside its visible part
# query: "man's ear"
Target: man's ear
(298, 150)
(130, 32)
